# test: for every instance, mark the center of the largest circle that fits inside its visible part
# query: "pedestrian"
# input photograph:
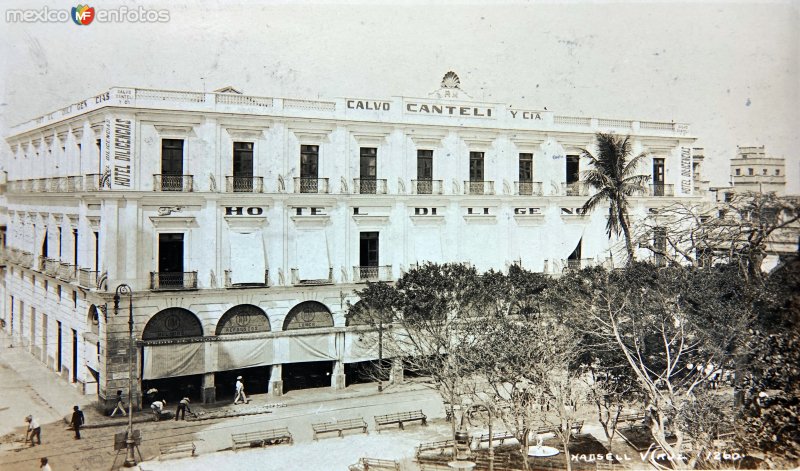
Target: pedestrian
(157, 407)
(44, 466)
(77, 421)
(240, 395)
(120, 405)
(183, 407)
(34, 430)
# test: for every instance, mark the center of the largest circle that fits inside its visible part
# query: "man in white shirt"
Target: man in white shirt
(240, 395)
(157, 407)
(34, 430)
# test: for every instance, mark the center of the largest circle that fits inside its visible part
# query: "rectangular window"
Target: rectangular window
(309, 168)
(750, 171)
(99, 144)
(660, 245)
(172, 164)
(424, 172)
(74, 299)
(525, 167)
(764, 171)
(476, 166)
(58, 292)
(572, 169)
(777, 172)
(242, 159)
(75, 247)
(368, 255)
(96, 251)
(58, 352)
(368, 170)
(59, 243)
(170, 260)
(738, 171)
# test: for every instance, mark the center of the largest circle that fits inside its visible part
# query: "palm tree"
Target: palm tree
(613, 176)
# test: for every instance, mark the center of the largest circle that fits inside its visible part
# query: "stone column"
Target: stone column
(338, 379)
(209, 389)
(396, 373)
(276, 381)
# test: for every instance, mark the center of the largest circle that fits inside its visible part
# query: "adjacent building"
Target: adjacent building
(244, 224)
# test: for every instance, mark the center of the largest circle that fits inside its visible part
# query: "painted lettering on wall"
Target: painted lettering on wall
(477, 210)
(686, 170)
(573, 211)
(372, 105)
(527, 210)
(310, 211)
(520, 114)
(123, 145)
(241, 211)
(463, 111)
(424, 211)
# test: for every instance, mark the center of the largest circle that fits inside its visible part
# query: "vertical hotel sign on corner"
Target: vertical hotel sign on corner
(123, 153)
(686, 170)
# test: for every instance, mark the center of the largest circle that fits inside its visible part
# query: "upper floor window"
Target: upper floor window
(309, 161)
(525, 167)
(242, 159)
(764, 171)
(172, 156)
(738, 171)
(777, 171)
(750, 171)
(476, 166)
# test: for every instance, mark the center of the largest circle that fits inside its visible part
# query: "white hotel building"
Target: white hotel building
(243, 224)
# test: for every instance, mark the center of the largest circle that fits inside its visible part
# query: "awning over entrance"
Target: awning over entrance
(238, 354)
(178, 359)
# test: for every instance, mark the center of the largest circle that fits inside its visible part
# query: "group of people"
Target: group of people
(34, 430)
(180, 413)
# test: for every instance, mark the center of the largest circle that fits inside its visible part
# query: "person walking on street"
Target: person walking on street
(44, 466)
(183, 407)
(120, 405)
(77, 421)
(34, 430)
(240, 395)
(157, 407)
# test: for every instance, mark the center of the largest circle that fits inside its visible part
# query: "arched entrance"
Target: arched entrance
(249, 355)
(172, 365)
(311, 359)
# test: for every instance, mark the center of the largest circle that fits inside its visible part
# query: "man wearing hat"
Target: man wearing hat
(183, 407)
(240, 391)
(33, 429)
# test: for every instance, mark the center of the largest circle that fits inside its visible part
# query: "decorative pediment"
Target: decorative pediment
(245, 129)
(78, 133)
(450, 87)
(94, 222)
(480, 218)
(478, 141)
(366, 220)
(370, 135)
(173, 222)
(246, 222)
(311, 221)
(310, 132)
(423, 138)
(527, 142)
(174, 130)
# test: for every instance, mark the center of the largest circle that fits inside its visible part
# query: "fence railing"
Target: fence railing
(88, 278)
(296, 280)
(661, 189)
(369, 186)
(162, 182)
(574, 189)
(51, 266)
(310, 185)
(426, 187)
(230, 284)
(244, 184)
(478, 187)
(67, 271)
(528, 188)
(372, 273)
(173, 280)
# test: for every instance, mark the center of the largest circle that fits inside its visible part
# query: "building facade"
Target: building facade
(752, 170)
(243, 224)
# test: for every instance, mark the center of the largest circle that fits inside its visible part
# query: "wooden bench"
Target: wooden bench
(496, 436)
(175, 448)
(339, 426)
(401, 417)
(442, 446)
(634, 417)
(365, 464)
(576, 428)
(261, 438)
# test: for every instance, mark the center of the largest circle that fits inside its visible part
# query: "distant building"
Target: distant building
(752, 170)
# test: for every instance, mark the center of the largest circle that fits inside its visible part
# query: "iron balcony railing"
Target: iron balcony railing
(574, 189)
(229, 284)
(66, 271)
(51, 266)
(173, 280)
(525, 188)
(661, 189)
(296, 280)
(426, 187)
(163, 182)
(93, 182)
(372, 273)
(369, 186)
(577, 264)
(235, 184)
(478, 187)
(88, 278)
(310, 185)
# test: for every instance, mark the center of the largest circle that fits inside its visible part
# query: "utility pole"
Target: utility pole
(123, 289)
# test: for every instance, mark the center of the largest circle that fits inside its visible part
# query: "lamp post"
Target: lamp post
(123, 289)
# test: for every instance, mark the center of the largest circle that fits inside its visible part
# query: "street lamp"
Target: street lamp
(123, 289)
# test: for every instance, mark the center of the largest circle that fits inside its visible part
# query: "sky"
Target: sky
(729, 69)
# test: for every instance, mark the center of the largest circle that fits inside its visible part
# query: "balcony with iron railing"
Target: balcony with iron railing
(235, 184)
(426, 187)
(528, 188)
(67, 271)
(164, 281)
(369, 186)
(163, 182)
(88, 278)
(51, 266)
(310, 185)
(574, 189)
(296, 280)
(577, 264)
(661, 189)
(478, 187)
(372, 273)
(230, 284)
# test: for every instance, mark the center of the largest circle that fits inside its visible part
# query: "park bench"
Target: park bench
(576, 428)
(401, 417)
(496, 437)
(339, 426)
(365, 464)
(261, 438)
(176, 448)
(441, 446)
(633, 417)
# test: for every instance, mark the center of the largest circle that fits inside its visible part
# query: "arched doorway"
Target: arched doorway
(172, 368)
(249, 355)
(311, 360)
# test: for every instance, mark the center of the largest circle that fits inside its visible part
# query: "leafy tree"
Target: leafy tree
(613, 176)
